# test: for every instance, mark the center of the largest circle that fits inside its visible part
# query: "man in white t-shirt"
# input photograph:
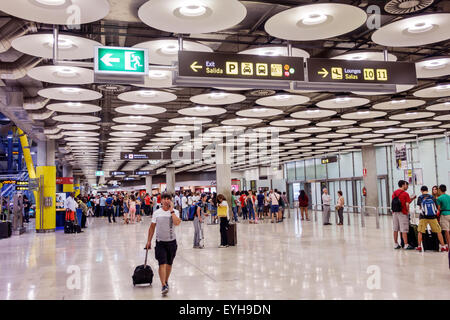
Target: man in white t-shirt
(326, 201)
(163, 223)
(184, 207)
(274, 205)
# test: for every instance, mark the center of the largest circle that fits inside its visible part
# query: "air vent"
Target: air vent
(406, 6)
(262, 93)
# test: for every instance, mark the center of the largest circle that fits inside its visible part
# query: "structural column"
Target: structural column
(223, 172)
(46, 172)
(170, 180)
(369, 160)
(67, 173)
(76, 185)
(148, 184)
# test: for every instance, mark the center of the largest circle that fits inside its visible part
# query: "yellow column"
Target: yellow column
(49, 214)
(26, 153)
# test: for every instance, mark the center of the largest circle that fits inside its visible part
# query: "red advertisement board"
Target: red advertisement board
(64, 180)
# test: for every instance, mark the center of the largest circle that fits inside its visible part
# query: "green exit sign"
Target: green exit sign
(121, 61)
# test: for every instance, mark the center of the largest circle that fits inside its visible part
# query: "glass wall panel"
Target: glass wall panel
(321, 169)
(309, 164)
(357, 156)
(381, 160)
(346, 164)
(333, 170)
(300, 170)
(290, 168)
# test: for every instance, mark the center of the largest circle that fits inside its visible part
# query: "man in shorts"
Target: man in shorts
(443, 202)
(164, 221)
(400, 219)
(274, 205)
(428, 217)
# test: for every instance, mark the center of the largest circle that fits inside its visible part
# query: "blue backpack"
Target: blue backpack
(429, 207)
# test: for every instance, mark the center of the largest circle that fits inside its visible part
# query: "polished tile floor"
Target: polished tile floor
(290, 260)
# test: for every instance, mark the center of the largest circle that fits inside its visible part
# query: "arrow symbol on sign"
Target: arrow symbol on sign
(106, 59)
(324, 72)
(194, 67)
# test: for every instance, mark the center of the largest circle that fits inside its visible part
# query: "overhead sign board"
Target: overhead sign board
(160, 155)
(242, 68)
(64, 180)
(329, 159)
(130, 173)
(359, 72)
(120, 65)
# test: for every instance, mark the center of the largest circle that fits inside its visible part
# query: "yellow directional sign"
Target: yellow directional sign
(195, 66)
(323, 72)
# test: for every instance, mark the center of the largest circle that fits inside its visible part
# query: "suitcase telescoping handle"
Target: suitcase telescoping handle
(146, 253)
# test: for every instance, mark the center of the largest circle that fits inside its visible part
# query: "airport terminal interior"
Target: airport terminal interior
(266, 140)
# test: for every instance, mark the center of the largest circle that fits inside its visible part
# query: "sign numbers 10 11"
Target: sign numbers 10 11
(381, 74)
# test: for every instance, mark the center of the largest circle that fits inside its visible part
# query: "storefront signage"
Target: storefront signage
(64, 180)
(371, 72)
(240, 66)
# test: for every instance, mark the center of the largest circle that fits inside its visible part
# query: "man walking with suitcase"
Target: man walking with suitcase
(163, 224)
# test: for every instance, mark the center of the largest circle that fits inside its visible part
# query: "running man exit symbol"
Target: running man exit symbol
(132, 61)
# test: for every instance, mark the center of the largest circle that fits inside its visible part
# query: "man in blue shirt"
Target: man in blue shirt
(260, 199)
(110, 208)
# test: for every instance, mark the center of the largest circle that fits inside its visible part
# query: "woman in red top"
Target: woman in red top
(303, 204)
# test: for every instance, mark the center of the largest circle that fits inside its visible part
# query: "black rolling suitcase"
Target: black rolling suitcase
(5, 229)
(232, 234)
(69, 227)
(412, 236)
(430, 241)
(143, 274)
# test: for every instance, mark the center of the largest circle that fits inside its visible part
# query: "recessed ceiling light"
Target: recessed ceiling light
(312, 111)
(147, 93)
(140, 107)
(70, 90)
(52, 2)
(157, 74)
(314, 18)
(192, 10)
(62, 43)
(398, 101)
(342, 100)
(217, 95)
(135, 117)
(363, 112)
(66, 72)
(74, 104)
(170, 49)
(420, 27)
(443, 87)
(131, 125)
(200, 108)
(435, 64)
(282, 97)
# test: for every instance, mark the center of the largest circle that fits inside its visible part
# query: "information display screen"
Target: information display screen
(240, 66)
(345, 71)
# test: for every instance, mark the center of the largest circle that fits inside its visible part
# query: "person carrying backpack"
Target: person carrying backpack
(428, 217)
(199, 218)
(400, 214)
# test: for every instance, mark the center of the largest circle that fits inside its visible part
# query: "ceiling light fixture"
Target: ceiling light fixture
(217, 95)
(170, 49)
(140, 107)
(342, 100)
(147, 93)
(192, 10)
(398, 101)
(314, 19)
(157, 74)
(420, 27)
(435, 64)
(443, 87)
(52, 2)
(70, 90)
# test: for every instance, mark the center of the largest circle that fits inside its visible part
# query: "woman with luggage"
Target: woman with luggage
(303, 202)
(223, 213)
